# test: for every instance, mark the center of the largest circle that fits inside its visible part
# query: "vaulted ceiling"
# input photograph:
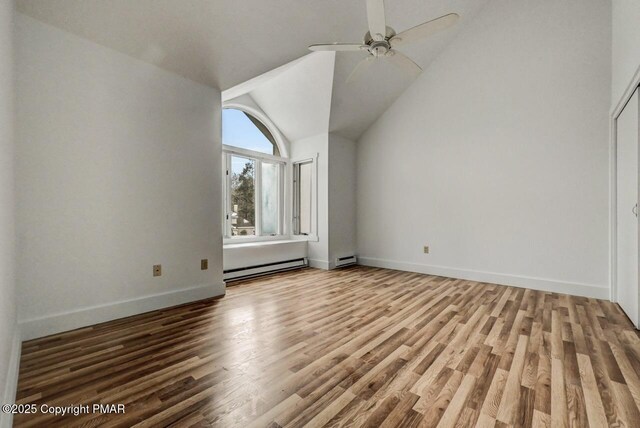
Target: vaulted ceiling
(222, 43)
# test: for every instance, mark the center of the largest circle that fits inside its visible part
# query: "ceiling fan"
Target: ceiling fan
(381, 41)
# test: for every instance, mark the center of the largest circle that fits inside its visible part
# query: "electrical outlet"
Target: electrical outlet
(157, 270)
(204, 264)
(426, 249)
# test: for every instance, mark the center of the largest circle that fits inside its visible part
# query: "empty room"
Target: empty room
(296, 213)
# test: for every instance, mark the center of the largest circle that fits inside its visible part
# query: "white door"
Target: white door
(628, 134)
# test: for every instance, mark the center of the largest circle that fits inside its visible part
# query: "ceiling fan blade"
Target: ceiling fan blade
(376, 19)
(423, 30)
(404, 63)
(360, 68)
(337, 47)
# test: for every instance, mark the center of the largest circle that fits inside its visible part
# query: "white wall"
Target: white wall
(626, 45)
(497, 156)
(304, 149)
(9, 339)
(118, 169)
(342, 198)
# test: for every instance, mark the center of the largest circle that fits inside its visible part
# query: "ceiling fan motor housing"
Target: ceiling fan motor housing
(389, 34)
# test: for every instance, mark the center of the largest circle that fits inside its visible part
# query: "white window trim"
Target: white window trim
(227, 153)
(252, 154)
(313, 236)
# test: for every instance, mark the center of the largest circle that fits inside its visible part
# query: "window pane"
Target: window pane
(243, 211)
(270, 187)
(304, 198)
(240, 130)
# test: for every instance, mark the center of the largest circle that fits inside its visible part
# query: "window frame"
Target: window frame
(227, 153)
(313, 236)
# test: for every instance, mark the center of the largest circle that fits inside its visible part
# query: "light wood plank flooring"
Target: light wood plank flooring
(353, 347)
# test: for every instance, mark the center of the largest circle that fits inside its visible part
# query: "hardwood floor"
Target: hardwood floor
(354, 347)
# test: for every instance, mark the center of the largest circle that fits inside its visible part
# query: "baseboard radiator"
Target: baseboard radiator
(346, 261)
(264, 269)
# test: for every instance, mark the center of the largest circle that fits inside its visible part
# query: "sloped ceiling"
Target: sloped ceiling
(296, 97)
(222, 43)
(299, 99)
(356, 105)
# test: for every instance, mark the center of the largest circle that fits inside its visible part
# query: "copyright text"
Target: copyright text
(73, 409)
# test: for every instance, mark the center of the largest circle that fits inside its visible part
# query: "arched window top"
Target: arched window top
(240, 129)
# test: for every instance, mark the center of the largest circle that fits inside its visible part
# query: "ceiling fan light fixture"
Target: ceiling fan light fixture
(381, 48)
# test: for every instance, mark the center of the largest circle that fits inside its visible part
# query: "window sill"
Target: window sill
(249, 239)
(259, 243)
(232, 242)
(310, 238)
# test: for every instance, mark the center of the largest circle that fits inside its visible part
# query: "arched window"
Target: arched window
(240, 129)
(254, 173)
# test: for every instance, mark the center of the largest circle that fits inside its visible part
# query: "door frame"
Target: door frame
(615, 113)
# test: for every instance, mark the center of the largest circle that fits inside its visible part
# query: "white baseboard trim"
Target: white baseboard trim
(319, 264)
(541, 284)
(11, 385)
(57, 323)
